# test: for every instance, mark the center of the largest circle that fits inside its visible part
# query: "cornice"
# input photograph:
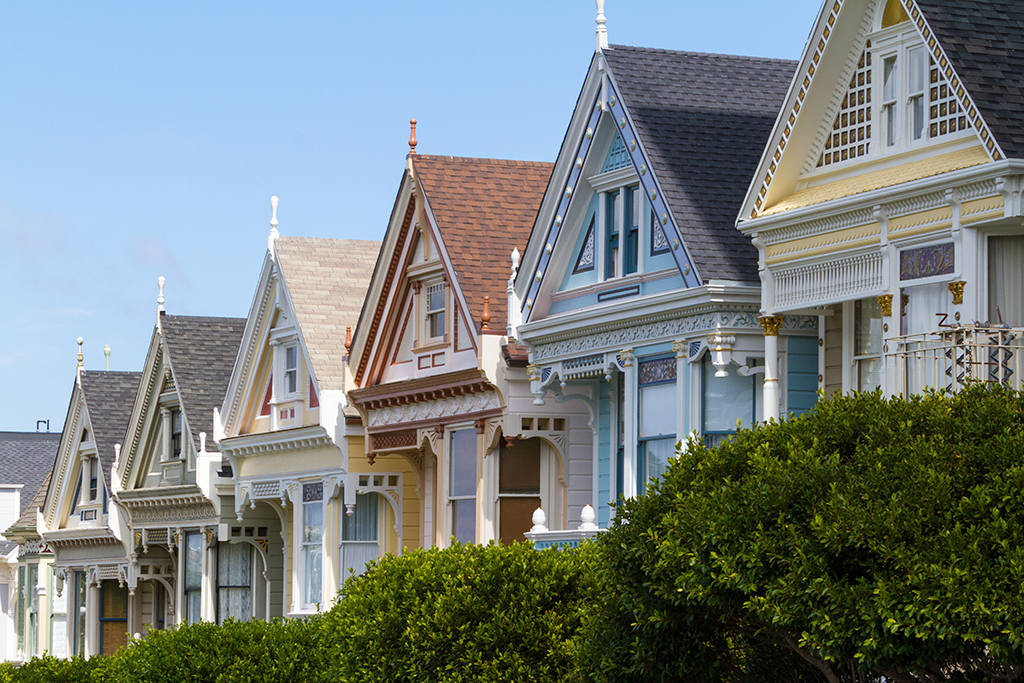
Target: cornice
(87, 536)
(422, 389)
(290, 440)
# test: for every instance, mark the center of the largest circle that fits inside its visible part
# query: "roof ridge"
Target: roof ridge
(290, 238)
(482, 160)
(168, 316)
(692, 53)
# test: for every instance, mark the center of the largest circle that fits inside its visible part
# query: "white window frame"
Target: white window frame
(430, 313)
(306, 602)
(446, 474)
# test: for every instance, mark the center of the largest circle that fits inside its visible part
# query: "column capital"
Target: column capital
(885, 303)
(681, 349)
(957, 290)
(771, 324)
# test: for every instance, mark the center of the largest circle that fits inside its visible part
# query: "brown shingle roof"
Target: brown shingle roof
(327, 281)
(484, 209)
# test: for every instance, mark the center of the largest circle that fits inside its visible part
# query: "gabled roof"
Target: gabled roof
(327, 281)
(28, 516)
(109, 397)
(984, 40)
(202, 353)
(26, 458)
(484, 209)
(703, 120)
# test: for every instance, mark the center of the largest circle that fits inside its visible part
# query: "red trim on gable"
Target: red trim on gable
(314, 400)
(265, 408)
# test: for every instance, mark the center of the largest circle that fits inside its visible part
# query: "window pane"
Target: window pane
(194, 561)
(726, 400)
(463, 463)
(79, 613)
(867, 327)
(519, 467)
(312, 522)
(1005, 280)
(917, 70)
(464, 520)
(436, 298)
(193, 607)
(234, 564)
(658, 409)
(312, 558)
(869, 375)
(516, 517)
(656, 455)
(234, 603)
(362, 524)
(889, 79)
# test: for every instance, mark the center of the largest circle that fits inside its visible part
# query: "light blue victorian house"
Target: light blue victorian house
(636, 295)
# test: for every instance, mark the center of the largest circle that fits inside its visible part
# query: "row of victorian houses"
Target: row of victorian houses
(720, 241)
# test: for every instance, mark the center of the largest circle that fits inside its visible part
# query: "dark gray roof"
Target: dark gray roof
(27, 458)
(984, 40)
(38, 499)
(109, 396)
(704, 121)
(202, 353)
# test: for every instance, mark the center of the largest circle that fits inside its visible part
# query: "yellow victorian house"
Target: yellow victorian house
(294, 444)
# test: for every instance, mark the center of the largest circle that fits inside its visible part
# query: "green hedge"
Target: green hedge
(466, 613)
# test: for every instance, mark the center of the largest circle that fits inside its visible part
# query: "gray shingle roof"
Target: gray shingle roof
(202, 354)
(109, 397)
(38, 499)
(27, 458)
(327, 280)
(704, 120)
(984, 40)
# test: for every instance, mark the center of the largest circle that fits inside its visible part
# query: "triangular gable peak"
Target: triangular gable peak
(844, 129)
(255, 401)
(663, 113)
(93, 430)
(434, 271)
(186, 373)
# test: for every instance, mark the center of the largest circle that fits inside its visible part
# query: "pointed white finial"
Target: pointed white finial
(117, 454)
(587, 516)
(80, 356)
(274, 234)
(202, 442)
(160, 299)
(106, 352)
(602, 32)
(515, 261)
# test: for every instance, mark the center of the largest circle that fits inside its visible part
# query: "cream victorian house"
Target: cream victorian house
(294, 444)
(888, 198)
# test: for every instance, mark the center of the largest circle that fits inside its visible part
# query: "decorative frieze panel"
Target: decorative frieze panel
(430, 410)
(672, 327)
(935, 259)
(34, 547)
(820, 283)
(173, 514)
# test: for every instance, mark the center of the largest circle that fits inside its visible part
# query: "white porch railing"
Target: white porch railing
(946, 360)
(543, 537)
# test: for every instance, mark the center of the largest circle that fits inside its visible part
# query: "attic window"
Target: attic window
(894, 14)
(435, 310)
(291, 369)
(617, 157)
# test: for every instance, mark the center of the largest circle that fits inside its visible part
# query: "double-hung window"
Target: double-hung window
(19, 610)
(462, 485)
(113, 616)
(867, 344)
(728, 401)
(435, 311)
(657, 379)
(623, 209)
(890, 103)
(78, 649)
(312, 543)
(291, 369)
(93, 483)
(359, 535)
(518, 488)
(175, 433)
(234, 581)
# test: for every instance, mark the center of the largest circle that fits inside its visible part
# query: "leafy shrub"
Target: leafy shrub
(465, 613)
(869, 537)
(48, 669)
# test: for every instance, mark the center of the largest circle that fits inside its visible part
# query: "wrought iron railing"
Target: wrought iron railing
(947, 359)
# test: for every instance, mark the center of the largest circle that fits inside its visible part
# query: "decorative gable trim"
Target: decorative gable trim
(251, 343)
(63, 468)
(805, 77)
(141, 409)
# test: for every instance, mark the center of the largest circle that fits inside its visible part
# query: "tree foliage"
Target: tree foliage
(867, 538)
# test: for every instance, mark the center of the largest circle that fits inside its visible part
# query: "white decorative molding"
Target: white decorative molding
(36, 546)
(978, 190)
(164, 506)
(816, 227)
(290, 440)
(821, 283)
(669, 326)
(921, 202)
(429, 410)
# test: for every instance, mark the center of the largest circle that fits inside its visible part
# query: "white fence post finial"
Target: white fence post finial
(602, 32)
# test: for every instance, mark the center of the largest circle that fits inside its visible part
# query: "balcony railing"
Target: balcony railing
(948, 359)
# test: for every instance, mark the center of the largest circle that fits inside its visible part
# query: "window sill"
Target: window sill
(434, 345)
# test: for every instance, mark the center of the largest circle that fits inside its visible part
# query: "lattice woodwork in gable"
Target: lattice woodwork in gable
(851, 131)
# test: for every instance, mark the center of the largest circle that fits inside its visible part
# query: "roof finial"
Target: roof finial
(106, 352)
(80, 356)
(412, 136)
(485, 319)
(274, 234)
(160, 299)
(602, 32)
(348, 338)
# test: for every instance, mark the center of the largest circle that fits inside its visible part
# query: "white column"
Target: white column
(92, 620)
(772, 397)
(682, 351)
(165, 417)
(207, 599)
(629, 409)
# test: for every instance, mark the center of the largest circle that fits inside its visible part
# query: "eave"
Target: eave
(422, 389)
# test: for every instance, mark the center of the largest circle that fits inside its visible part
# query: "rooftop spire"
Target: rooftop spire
(602, 32)
(106, 352)
(160, 298)
(274, 234)
(80, 356)
(412, 136)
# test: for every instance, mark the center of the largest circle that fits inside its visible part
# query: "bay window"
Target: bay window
(728, 402)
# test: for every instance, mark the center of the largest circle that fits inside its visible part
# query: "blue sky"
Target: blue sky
(145, 139)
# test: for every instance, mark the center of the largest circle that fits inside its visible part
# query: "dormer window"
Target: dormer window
(622, 230)
(435, 311)
(175, 434)
(93, 479)
(291, 369)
